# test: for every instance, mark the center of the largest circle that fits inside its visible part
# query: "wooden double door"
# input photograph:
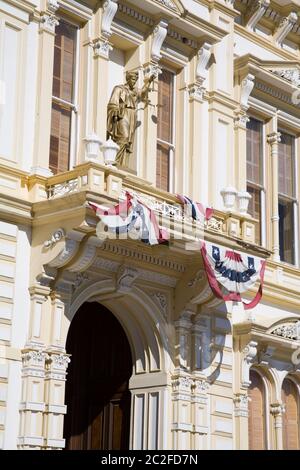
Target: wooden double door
(97, 394)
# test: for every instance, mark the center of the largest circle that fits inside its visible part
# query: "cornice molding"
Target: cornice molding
(265, 43)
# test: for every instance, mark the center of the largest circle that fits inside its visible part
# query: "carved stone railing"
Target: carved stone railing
(106, 181)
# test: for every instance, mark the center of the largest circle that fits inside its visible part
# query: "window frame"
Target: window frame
(293, 199)
(171, 145)
(262, 186)
(71, 105)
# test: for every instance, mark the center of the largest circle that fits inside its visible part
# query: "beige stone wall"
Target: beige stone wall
(191, 368)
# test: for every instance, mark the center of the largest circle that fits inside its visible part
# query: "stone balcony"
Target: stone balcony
(107, 185)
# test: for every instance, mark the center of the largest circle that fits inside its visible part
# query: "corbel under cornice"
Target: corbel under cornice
(268, 72)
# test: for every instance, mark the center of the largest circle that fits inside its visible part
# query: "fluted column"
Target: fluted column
(273, 140)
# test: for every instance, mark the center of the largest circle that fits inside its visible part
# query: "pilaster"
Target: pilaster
(55, 409)
(101, 47)
(198, 138)
(32, 404)
(241, 415)
(48, 22)
(273, 141)
(277, 410)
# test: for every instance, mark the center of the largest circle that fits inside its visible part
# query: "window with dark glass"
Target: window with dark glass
(165, 134)
(62, 96)
(286, 197)
(255, 171)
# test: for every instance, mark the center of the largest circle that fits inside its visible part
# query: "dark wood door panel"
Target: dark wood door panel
(97, 395)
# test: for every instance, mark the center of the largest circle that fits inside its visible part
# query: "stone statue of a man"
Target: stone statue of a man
(121, 114)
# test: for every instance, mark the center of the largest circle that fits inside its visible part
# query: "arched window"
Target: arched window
(257, 414)
(290, 398)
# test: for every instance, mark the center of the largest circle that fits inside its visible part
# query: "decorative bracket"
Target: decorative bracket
(247, 86)
(203, 57)
(159, 35)
(110, 8)
(285, 26)
(249, 353)
(257, 12)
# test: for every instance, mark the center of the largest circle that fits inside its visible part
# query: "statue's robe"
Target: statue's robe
(122, 130)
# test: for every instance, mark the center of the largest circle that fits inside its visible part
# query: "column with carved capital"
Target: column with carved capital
(182, 427)
(277, 409)
(32, 404)
(273, 141)
(48, 22)
(200, 415)
(240, 403)
(198, 111)
(55, 409)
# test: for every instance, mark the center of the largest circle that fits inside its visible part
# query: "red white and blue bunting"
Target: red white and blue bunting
(195, 210)
(130, 217)
(234, 271)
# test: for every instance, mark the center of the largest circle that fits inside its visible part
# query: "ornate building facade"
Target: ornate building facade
(113, 344)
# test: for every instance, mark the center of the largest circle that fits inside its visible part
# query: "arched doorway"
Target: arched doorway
(97, 394)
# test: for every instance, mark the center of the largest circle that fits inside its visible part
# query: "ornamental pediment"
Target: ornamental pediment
(278, 79)
(288, 330)
(271, 71)
(292, 75)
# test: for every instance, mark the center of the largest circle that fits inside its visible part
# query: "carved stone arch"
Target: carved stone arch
(145, 326)
(149, 344)
(104, 293)
(159, 323)
(277, 378)
(269, 379)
